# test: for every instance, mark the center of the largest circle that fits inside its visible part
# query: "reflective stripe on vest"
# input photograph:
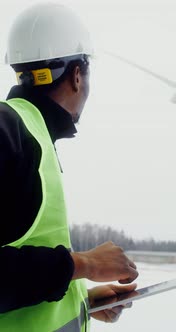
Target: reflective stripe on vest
(49, 229)
(75, 324)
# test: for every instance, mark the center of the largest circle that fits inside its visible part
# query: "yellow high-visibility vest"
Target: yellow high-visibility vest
(49, 229)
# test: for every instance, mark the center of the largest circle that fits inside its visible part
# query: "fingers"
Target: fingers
(117, 309)
(132, 264)
(128, 305)
(133, 267)
(112, 316)
(123, 289)
(133, 274)
(131, 270)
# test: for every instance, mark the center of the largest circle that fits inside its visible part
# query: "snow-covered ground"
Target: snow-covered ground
(155, 313)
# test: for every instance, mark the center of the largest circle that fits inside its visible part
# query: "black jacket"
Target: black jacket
(28, 275)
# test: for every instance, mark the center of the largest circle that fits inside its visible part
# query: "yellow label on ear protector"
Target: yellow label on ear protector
(41, 76)
(18, 77)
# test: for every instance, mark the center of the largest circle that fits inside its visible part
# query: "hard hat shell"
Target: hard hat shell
(47, 31)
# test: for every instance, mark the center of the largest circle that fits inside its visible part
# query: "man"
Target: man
(41, 281)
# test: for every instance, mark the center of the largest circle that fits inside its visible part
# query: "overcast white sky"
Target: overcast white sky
(121, 168)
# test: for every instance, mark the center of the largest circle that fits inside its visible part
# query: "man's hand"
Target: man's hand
(106, 262)
(113, 314)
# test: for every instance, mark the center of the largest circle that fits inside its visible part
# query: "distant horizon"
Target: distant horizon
(88, 235)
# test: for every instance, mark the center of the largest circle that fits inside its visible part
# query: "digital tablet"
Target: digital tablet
(125, 298)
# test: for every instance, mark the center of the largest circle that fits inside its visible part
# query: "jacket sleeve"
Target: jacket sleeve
(28, 275)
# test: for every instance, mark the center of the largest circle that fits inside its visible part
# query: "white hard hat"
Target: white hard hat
(47, 31)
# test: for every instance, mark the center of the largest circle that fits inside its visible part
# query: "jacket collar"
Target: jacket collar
(58, 120)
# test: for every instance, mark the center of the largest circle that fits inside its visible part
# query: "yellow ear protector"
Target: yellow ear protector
(39, 76)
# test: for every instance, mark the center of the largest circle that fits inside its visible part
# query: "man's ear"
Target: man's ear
(76, 79)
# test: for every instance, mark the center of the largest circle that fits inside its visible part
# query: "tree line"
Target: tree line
(87, 236)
